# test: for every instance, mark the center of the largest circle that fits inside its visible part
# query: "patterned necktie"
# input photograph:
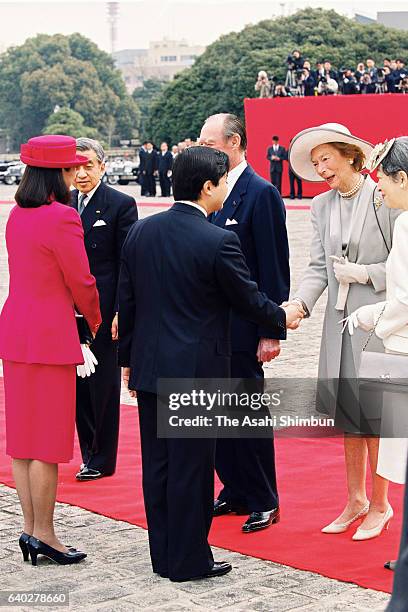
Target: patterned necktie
(81, 203)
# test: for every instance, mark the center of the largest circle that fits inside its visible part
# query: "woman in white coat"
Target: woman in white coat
(351, 240)
(390, 317)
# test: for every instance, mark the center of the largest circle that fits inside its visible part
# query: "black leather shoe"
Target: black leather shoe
(89, 474)
(261, 520)
(390, 565)
(223, 507)
(36, 547)
(220, 568)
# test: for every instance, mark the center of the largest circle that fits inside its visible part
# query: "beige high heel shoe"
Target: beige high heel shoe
(367, 534)
(342, 527)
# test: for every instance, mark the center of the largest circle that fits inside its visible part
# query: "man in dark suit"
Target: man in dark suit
(148, 170)
(255, 212)
(142, 153)
(180, 276)
(165, 164)
(107, 215)
(276, 155)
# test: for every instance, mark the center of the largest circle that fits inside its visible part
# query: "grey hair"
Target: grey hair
(89, 144)
(397, 158)
(232, 125)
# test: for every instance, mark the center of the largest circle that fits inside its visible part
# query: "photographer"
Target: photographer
(280, 91)
(372, 71)
(400, 73)
(349, 84)
(366, 86)
(381, 83)
(309, 82)
(263, 85)
(327, 86)
(403, 85)
(295, 61)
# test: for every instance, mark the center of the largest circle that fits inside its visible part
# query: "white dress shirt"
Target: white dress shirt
(233, 175)
(194, 205)
(88, 195)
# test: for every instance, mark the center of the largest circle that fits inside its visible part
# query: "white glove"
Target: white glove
(363, 317)
(347, 272)
(90, 360)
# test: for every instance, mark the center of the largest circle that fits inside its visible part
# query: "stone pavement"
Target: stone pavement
(117, 574)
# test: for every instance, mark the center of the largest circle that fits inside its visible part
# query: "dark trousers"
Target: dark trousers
(246, 467)
(98, 407)
(399, 599)
(165, 184)
(292, 180)
(178, 489)
(148, 184)
(276, 179)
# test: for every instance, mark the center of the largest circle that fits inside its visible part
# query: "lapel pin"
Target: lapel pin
(234, 203)
(98, 212)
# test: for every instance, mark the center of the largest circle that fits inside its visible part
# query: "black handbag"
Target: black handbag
(84, 333)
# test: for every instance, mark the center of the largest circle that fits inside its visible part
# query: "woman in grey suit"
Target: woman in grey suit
(352, 233)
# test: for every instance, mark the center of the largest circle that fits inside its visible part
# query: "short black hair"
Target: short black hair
(193, 167)
(42, 186)
(275, 138)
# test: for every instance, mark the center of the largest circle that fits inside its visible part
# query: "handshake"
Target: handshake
(295, 312)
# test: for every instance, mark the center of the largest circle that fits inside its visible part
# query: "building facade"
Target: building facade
(162, 60)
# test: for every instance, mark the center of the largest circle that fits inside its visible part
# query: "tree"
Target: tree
(69, 122)
(68, 71)
(225, 74)
(145, 97)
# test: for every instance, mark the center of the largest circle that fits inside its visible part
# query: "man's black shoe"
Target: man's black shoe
(219, 569)
(261, 520)
(89, 474)
(223, 507)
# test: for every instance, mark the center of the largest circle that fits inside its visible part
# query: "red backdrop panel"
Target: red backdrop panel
(371, 117)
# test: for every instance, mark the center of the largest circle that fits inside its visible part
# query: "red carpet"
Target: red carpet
(312, 492)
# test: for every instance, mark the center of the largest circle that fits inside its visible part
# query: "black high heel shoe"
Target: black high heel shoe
(36, 547)
(23, 542)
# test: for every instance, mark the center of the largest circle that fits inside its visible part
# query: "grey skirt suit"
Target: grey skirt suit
(369, 245)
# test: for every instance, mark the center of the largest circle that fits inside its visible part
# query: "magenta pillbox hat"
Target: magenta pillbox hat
(53, 151)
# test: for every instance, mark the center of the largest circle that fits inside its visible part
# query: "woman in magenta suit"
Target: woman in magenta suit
(39, 343)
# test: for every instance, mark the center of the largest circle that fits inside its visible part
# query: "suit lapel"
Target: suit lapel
(95, 209)
(234, 200)
(335, 225)
(359, 216)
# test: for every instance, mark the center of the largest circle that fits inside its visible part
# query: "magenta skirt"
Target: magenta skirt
(40, 411)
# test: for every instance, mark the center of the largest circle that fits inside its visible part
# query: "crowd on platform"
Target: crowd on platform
(324, 79)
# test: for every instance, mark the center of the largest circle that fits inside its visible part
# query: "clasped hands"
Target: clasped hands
(294, 313)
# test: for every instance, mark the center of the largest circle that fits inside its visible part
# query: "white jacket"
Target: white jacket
(392, 326)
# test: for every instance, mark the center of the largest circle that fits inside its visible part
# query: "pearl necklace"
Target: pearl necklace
(349, 194)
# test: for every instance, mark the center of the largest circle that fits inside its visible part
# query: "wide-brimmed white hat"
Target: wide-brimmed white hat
(306, 140)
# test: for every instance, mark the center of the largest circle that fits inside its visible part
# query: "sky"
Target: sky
(141, 21)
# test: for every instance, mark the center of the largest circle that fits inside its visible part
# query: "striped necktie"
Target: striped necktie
(81, 203)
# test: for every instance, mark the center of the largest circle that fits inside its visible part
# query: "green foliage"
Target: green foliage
(68, 71)
(145, 97)
(69, 122)
(226, 73)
